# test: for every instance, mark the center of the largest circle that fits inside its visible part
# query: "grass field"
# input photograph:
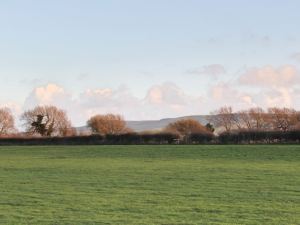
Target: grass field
(150, 185)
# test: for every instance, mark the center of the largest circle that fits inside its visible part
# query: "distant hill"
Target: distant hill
(145, 125)
(149, 125)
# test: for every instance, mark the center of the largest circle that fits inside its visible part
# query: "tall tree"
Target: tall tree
(7, 122)
(108, 124)
(245, 119)
(283, 118)
(46, 121)
(259, 118)
(223, 117)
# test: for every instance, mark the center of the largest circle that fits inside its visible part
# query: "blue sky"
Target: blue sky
(149, 49)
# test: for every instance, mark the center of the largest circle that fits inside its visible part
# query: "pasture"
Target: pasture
(150, 185)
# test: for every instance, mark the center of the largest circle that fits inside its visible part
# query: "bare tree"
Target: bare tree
(108, 124)
(245, 119)
(46, 121)
(283, 118)
(253, 118)
(259, 118)
(297, 126)
(223, 117)
(7, 122)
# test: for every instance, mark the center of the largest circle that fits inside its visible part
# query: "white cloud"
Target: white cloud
(107, 100)
(271, 86)
(166, 100)
(269, 76)
(48, 95)
(264, 87)
(228, 94)
(15, 108)
(279, 97)
(167, 93)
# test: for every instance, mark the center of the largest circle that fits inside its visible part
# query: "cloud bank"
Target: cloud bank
(265, 87)
(165, 100)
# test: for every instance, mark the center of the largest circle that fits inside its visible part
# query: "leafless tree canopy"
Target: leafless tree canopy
(253, 118)
(108, 124)
(283, 119)
(7, 122)
(223, 117)
(46, 121)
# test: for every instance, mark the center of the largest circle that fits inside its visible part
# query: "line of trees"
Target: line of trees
(49, 124)
(273, 119)
(43, 121)
(46, 121)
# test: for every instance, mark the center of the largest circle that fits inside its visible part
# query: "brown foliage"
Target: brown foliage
(46, 121)
(7, 122)
(108, 124)
(70, 132)
(185, 127)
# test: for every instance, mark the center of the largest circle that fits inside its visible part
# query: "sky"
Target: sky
(149, 59)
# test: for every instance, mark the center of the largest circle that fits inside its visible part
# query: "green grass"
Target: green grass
(150, 185)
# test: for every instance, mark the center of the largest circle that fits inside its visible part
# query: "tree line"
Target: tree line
(272, 119)
(51, 125)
